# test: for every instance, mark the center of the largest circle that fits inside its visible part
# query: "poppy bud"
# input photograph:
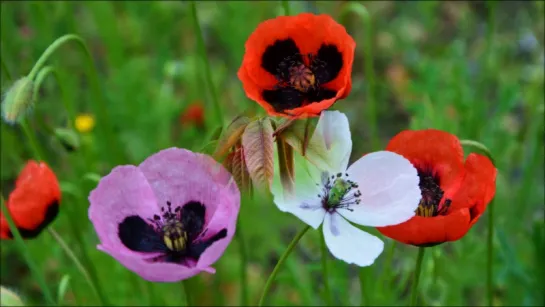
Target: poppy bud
(9, 298)
(68, 138)
(18, 100)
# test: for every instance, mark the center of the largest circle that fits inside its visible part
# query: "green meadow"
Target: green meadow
(471, 68)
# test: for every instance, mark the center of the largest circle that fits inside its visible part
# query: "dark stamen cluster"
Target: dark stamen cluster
(293, 72)
(432, 194)
(336, 192)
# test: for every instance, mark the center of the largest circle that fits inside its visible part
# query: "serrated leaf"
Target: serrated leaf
(63, 286)
(232, 135)
(257, 143)
(240, 170)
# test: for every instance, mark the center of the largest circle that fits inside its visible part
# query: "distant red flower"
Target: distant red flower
(298, 66)
(454, 194)
(193, 115)
(34, 203)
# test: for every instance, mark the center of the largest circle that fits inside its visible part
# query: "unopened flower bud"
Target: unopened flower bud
(18, 100)
(9, 298)
(68, 138)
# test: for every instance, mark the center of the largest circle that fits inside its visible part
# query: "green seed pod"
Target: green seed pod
(9, 298)
(69, 138)
(18, 100)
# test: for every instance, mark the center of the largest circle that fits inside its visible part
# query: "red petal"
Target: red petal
(478, 186)
(430, 230)
(436, 150)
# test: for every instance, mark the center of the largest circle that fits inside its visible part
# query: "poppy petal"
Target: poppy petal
(333, 134)
(181, 176)
(434, 151)
(430, 230)
(389, 190)
(281, 99)
(327, 64)
(123, 193)
(276, 53)
(314, 109)
(478, 186)
(349, 243)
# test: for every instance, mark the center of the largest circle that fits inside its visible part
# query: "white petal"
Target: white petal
(333, 131)
(303, 201)
(349, 243)
(389, 186)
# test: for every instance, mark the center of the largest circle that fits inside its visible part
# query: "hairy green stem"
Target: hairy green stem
(103, 123)
(207, 70)
(325, 275)
(371, 111)
(414, 290)
(280, 262)
(243, 266)
(286, 6)
(38, 276)
(31, 137)
(76, 261)
(44, 72)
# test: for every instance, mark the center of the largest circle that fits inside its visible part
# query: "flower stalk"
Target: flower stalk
(414, 290)
(280, 262)
(325, 275)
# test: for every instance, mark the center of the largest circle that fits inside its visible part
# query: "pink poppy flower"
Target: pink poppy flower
(168, 218)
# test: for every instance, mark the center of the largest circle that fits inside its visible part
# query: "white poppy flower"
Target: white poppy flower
(379, 189)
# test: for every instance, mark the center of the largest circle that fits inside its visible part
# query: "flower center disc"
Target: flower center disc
(302, 78)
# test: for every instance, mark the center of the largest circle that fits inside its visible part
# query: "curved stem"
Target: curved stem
(44, 72)
(76, 261)
(207, 70)
(417, 270)
(371, 112)
(480, 147)
(31, 137)
(286, 6)
(243, 266)
(325, 275)
(40, 279)
(280, 263)
(99, 101)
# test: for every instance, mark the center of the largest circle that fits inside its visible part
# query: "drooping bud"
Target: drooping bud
(68, 138)
(18, 100)
(9, 298)
(84, 123)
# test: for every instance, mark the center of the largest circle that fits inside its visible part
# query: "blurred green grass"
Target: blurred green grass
(456, 66)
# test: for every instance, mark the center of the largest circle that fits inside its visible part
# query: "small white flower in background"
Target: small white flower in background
(379, 189)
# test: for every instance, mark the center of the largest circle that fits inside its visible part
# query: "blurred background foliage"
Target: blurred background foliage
(472, 68)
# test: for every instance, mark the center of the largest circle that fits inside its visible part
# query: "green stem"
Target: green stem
(480, 147)
(383, 280)
(280, 262)
(103, 124)
(286, 6)
(325, 275)
(40, 279)
(417, 270)
(187, 291)
(362, 274)
(5, 68)
(243, 265)
(44, 72)
(31, 137)
(490, 255)
(207, 70)
(371, 112)
(76, 261)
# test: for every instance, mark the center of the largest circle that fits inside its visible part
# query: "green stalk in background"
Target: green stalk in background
(31, 137)
(243, 265)
(371, 112)
(414, 290)
(103, 124)
(69, 107)
(207, 70)
(325, 275)
(36, 272)
(280, 262)
(490, 238)
(286, 6)
(187, 291)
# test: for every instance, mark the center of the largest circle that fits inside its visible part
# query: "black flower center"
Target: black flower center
(177, 234)
(300, 77)
(432, 194)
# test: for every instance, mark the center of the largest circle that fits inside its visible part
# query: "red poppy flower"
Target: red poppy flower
(193, 115)
(34, 202)
(297, 66)
(454, 194)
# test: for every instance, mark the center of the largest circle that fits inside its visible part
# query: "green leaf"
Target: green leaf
(231, 136)
(63, 286)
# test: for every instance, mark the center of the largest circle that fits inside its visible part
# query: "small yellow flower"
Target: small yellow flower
(85, 123)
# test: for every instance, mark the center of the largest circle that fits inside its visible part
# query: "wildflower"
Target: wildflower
(168, 218)
(193, 115)
(297, 66)
(85, 123)
(34, 203)
(379, 189)
(18, 100)
(454, 193)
